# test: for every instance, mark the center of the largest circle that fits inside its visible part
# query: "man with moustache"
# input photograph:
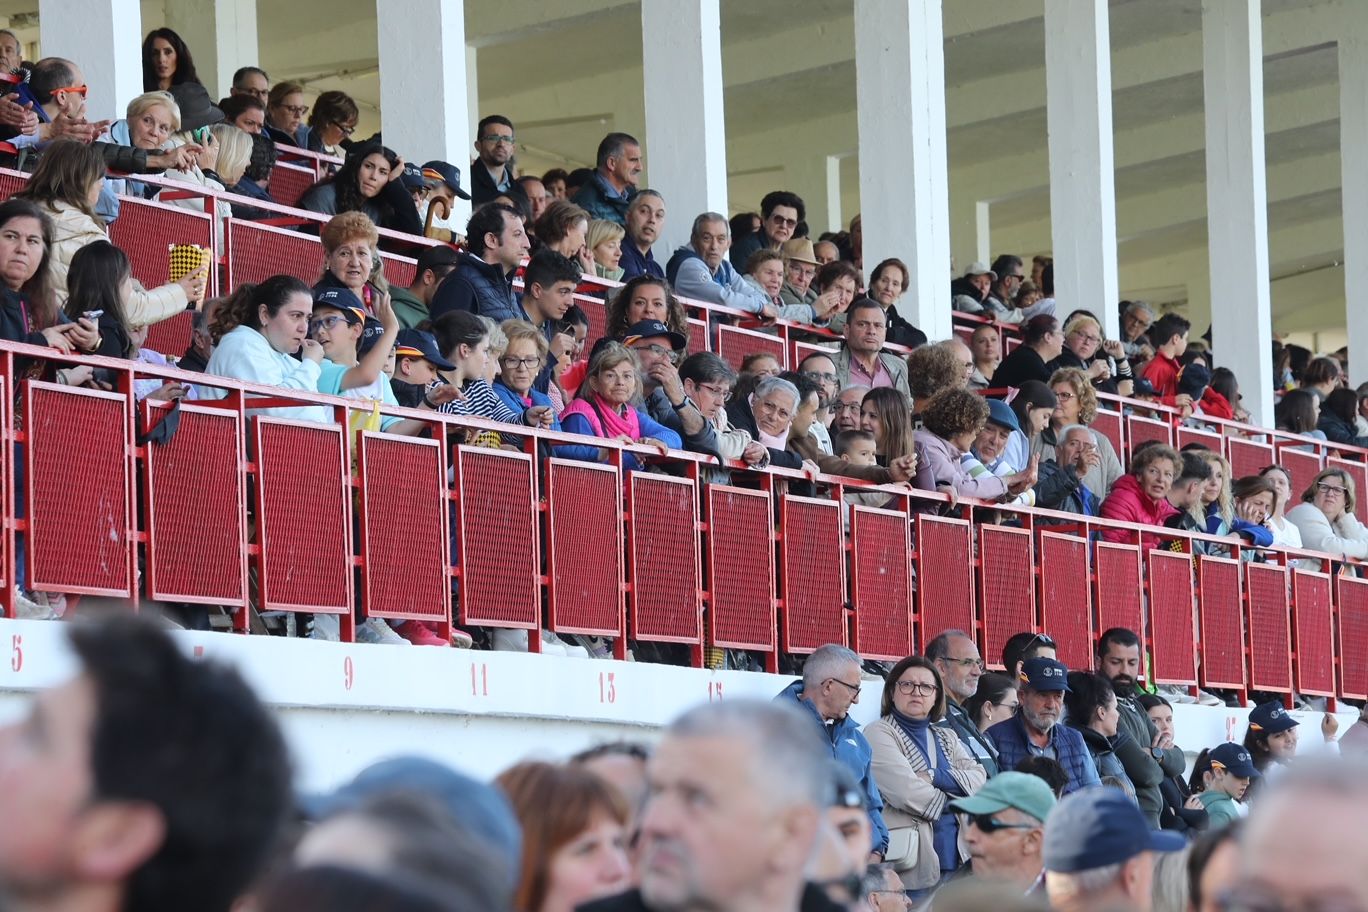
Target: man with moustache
(1035, 730)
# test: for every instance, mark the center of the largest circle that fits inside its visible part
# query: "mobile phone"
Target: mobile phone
(93, 314)
(200, 134)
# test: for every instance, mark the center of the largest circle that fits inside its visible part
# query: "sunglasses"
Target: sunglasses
(987, 823)
(79, 90)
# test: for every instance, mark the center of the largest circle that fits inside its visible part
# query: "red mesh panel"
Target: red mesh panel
(1352, 601)
(1315, 635)
(257, 252)
(11, 182)
(1141, 429)
(1119, 601)
(740, 569)
(1173, 635)
(145, 229)
(1302, 466)
(813, 573)
(1247, 457)
(288, 183)
(734, 344)
(584, 557)
(1209, 439)
(399, 270)
(171, 337)
(1270, 646)
(303, 517)
(1010, 344)
(78, 478)
(1221, 615)
(1007, 586)
(802, 349)
(945, 582)
(881, 583)
(198, 473)
(666, 603)
(1357, 471)
(404, 528)
(1108, 424)
(597, 313)
(698, 336)
(1065, 603)
(499, 556)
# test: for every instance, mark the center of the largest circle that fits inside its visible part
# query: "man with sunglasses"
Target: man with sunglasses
(1007, 828)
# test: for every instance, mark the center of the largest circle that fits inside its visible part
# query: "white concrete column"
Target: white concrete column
(472, 62)
(1237, 197)
(222, 34)
(904, 184)
(983, 232)
(1353, 87)
(104, 38)
(423, 97)
(686, 142)
(1082, 186)
(817, 179)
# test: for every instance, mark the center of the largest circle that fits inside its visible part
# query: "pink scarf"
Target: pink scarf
(604, 419)
(769, 440)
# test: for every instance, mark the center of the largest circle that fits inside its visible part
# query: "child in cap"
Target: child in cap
(1221, 777)
(415, 376)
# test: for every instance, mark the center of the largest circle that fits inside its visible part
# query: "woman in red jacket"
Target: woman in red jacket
(1142, 496)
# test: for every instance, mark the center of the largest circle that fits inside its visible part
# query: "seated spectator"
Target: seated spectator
(994, 700)
(1181, 811)
(986, 456)
(803, 442)
(1042, 341)
(465, 341)
(957, 659)
(411, 304)
(349, 256)
(1253, 503)
(1220, 778)
(969, 293)
(1215, 505)
(418, 365)
(964, 357)
(1338, 418)
(285, 111)
(234, 154)
(1285, 533)
(1321, 377)
(950, 424)
(645, 220)
(862, 361)
(368, 182)
(755, 367)
(1006, 820)
(887, 414)
(781, 211)
(604, 409)
(1142, 496)
(663, 398)
(492, 171)
(604, 243)
(166, 61)
(764, 272)
(821, 368)
(1090, 705)
(255, 180)
(482, 282)
(1022, 646)
(700, 270)
(443, 182)
(1136, 319)
(645, 298)
(65, 188)
(1298, 412)
(1062, 484)
(537, 197)
(855, 454)
(1169, 338)
(554, 182)
(931, 369)
(707, 382)
(574, 836)
(609, 190)
(498, 344)
(1186, 497)
(835, 285)
(800, 268)
(921, 767)
(246, 113)
(827, 250)
(767, 414)
(887, 284)
(567, 351)
(548, 294)
(1104, 363)
(563, 227)
(846, 414)
(151, 119)
(1078, 405)
(521, 362)
(986, 344)
(225, 152)
(1325, 517)
(1034, 405)
(1001, 303)
(331, 124)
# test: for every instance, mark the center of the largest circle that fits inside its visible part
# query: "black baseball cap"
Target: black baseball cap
(652, 329)
(1270, 718)
(371, 334)
(1100, 826)
(435, 258)
(1045, 675)
(1143, 387)
(414, 343)
(1234, 759)
(447, 174)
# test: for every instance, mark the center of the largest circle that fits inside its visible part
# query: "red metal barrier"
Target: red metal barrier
(1351, 597)
(1173, 632)
(197, 474)
(1247, 457)
(698, 336)
(499, 553)
(881, 583)
(734, 344)
(145, 229)
(663, 547)
(405, 544)
(1358, 471)
(1119, 589)
(399, 270)
(171, 337)
(256, 252)
(1315, 647)
(945, 577)
(1006, 585)
(740, 569)
(597, 313)
(1270, 640)
(1065, 602)
(1108, 424)
(1139, 430)
(288, 183)
(1221, 623)
(1301, 465)
(1209, 439)
(813, 574)
(584, 541)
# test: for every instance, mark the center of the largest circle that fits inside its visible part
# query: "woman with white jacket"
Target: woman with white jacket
(1325, 517)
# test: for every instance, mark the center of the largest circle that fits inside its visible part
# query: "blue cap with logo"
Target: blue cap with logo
(445, 173)
(1099, 826)
(1045, 675)
(342, 300)
(1234, 759)
(414, 343)
(1270, 718)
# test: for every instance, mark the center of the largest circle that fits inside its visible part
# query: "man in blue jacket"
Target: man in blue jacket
(611, 189)
(1035, 730)
(830, 686)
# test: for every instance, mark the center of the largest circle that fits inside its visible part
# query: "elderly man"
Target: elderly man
(666, 400)
(1007, 828)
(780, 213)
(1060, 485)
(738, 790)
(645, 221)
(963, 354)
(1099, 855)
(1035, 730)
(617, 169)
(845, 414)
(826, 252)
(957, 658)
(1136, 319)
(700, 270)
(830, 686)
(11, 51)
(800, 268)
(862, 360)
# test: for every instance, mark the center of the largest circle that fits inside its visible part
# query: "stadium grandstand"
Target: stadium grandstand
(514, 426)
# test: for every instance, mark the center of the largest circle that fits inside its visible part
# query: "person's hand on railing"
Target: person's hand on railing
(19, 116)
(194, 283)
(1329, 725)
(660, 445)
(902, 468)
(56, 336)
(950, 492)
(811, 469)
(310, 350)
(768, 312)
(76, 375)
(755, 454)
(606, 453)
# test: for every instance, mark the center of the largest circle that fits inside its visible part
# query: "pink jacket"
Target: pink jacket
(1127, 502)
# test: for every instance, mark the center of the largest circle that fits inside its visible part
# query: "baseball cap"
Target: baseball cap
(415, 343)
(413, 177)
(1001, 413)
(435, 258)
(448, 174)
(1021, 791)
(1045, 674)
(649, 329)
(1194, 380)
(343, 301)
(1270, 718)
(1143, 387)
(1100, 826)
(1234, 759)
(370, 335)
(978, 268)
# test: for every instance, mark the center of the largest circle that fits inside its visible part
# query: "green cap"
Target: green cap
(1028, 794)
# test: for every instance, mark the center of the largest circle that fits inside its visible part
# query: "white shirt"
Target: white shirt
(244, 354)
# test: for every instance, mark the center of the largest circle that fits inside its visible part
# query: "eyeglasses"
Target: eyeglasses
(966, 663)
(921, 688)
(1065, 397)
(786, 222)
(1087, 337)
(722, 392)
(821, 378)
(528, 363)
(497, 139)
(769, 408)
(1330, 490)
(296, 110)
(346, 130)
(78, 90)
(325, 323)
(987, 823)
(1041, 639)
(853, 687)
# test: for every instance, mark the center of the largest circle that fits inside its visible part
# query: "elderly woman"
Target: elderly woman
(604, 241)
(767, 415)
(285, 110)
(1105, 363)
(920, 767)
(349, 256)
(951, 423)
(836, 284)
(1325, 517)
(368, 182)
(331, 123)
(1142, 496)
(564, 227)
(523, 356)
(604, 409)
(1077, 404)
(151, 119)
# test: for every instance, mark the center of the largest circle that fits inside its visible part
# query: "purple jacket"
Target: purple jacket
(938, 463)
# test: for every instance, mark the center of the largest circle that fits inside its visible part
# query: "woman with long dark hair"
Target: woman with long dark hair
(368, 182)
(166, 61)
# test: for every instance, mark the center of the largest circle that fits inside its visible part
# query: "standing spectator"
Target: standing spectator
(604, 243)
(643, 225)
(604, 409)
(1007, 828)
(986, 344)
(1078, 405)
(827, 693)
(887, 284)
(1225, 773)
(166, 61)
(1322, 377)
(1169, 337)
(491, 173)
(11, 51)
(887, 415)
(800, 268)
(1035, 731)
(369, 182)
(957, 659)
(411, 304)
(332, 123)
(1182, 811)
(780, 213)
(701, 271)
(537, 197)
(482, 281)
(1285, 532)
(1022, 646)
(920, 767)
(861, 361)
(657, 349)
(285, 110)
(1091, 705)
(995, 700)
(564, 227)
(951, 422)
(609, 192)
(1042, 341)
(1325, 518)
(1142, 496)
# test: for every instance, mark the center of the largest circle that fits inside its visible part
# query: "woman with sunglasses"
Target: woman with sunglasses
(920, 767)
(1325, 517)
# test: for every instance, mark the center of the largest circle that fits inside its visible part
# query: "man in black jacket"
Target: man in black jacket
(482, 281)
(491, 173)
(1060, 485)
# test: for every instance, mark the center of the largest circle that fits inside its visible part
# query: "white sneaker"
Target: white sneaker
(375, 630)
(325, 627)
(28, 608)
(554, 645)
(508, 639)
(55, 601)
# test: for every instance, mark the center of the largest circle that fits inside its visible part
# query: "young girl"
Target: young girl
(1220, 778)
(1034, 405)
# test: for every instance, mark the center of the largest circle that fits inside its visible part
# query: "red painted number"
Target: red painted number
(607, 689)
(348, 673)
(17, 653)
(714, 691)
(479, 680)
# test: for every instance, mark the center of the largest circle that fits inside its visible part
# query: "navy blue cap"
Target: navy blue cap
(1100, 826)
(370, 335)
(1270, 718)
(414, 343)
(446, 173)
(1143, 387)
(1194, 380)
(1234, 759)
(342, 300)
(1001, 413)
(652, 329)
(1045, 675)
(413, 177)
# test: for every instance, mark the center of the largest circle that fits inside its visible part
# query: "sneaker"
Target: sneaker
(375, 630)
(461, 640)
(508, 639)
(55, 601)
(419, 634)
(324, 627)
(30, 609)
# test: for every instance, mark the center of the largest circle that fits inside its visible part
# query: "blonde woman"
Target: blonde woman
(605, 244)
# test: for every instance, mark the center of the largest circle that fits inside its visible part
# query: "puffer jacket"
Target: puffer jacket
(478, 287)
(1128, 502)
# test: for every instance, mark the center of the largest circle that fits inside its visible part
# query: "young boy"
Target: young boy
(1169, 335)
(1231, 771)
(857, 448)
(416, 366)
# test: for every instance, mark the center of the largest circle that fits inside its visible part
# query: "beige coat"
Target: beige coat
(911, 801)
(73, 229)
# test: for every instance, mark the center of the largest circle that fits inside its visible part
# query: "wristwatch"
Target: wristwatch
(683, 405)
